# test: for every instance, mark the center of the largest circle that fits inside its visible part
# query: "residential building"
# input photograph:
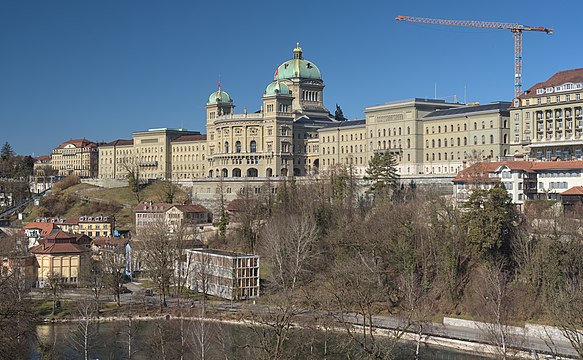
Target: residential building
(149, 214)
(229, 275)
(37, 230)
(78, 157)
(547, 119)
(92, 226)
(523, 180)
(178, 216)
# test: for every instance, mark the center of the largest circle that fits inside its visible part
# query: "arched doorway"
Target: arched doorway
(283, 172)
(210, 173)
(297, 172)
(269, 172)
(251, 172)
(225, 173)
(236, 172)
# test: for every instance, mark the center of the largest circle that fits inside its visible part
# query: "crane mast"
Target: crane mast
(515, 28)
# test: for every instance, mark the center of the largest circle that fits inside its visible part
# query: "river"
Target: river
(151, 339)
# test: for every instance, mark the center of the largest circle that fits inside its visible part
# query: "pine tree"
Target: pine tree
(382, 171)
(6, 151)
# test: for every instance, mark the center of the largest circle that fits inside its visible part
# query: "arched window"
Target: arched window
(226, 146)
(238, 147)
(475, 140)
(465, 141)
(432, 143)
(253, 146)
(491, 139)
(483, 139)
(475, 126)
(408, 143)
(491, 124)
(483, 124)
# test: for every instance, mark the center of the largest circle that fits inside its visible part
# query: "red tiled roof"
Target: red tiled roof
(478, 172)
(575, 190)
(557, 165)
(44, 227)
(194, 208)
(562, 77)
(190, 138)
(42, 159)
(79, 143)
(59, 248)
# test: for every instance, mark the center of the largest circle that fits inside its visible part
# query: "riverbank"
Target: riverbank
(456, 334)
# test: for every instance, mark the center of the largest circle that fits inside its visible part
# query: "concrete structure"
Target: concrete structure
(547, 119)
(230, 275)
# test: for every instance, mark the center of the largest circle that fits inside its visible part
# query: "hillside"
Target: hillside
(84, 199)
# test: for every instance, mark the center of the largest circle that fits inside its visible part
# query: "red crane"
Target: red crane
(516, 30)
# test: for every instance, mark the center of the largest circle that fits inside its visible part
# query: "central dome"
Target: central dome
(297, 67)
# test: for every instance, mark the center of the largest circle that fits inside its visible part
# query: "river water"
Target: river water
(171, 338)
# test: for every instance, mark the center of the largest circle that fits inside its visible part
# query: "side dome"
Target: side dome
(219, 96)
(297, 67)
(276, 88)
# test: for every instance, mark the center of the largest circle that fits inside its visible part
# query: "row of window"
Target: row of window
(252, 146)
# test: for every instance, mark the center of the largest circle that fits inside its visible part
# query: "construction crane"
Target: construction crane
(516, 30)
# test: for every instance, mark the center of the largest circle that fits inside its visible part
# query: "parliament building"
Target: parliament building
(294, 134)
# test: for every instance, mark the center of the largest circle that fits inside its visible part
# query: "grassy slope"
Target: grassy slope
(122, 196)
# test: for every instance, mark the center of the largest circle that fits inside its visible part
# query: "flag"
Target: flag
(276, 72)
(219, 84)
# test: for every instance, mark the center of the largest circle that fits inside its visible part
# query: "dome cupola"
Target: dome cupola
(297, 67)
(219, 96)
(276, 88)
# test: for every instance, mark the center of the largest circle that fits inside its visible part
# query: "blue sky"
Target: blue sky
(103, 69)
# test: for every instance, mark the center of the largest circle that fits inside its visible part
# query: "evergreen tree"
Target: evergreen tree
(382, 171)
(491, 221)
(6, 152)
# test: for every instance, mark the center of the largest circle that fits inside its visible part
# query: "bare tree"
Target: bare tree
(169, 191)
(221, 209)
(113, 267)
(158, 252)
(496, 308)
(291, 244)
(569, 313)
(17, 320)
(82, 338)
(53, 286)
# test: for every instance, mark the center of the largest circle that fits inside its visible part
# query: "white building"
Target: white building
(523, 180)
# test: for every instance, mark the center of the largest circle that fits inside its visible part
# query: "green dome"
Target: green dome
(276, 88)
(219, 96)
(297, 68)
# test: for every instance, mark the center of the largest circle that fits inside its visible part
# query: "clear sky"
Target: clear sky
(101, 69)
